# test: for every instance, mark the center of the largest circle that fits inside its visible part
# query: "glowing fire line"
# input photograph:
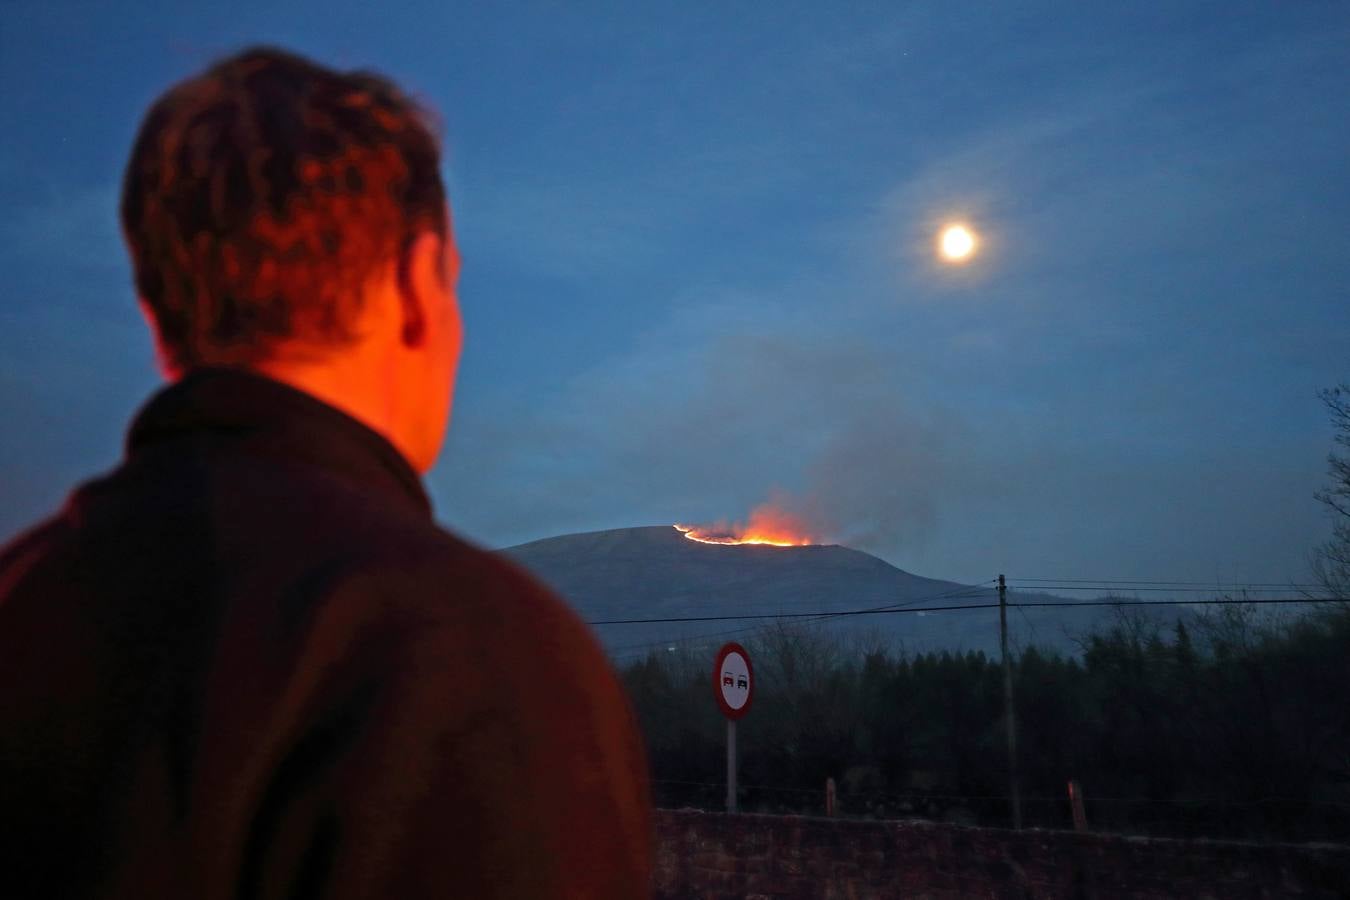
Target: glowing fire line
(703, 537)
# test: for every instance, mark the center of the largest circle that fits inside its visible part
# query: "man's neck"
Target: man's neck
(356, 391)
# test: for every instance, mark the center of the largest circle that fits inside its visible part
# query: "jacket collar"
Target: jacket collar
(264, 416)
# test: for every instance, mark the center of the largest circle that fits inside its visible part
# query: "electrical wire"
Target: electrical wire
(1251, 601)
(826, 614)
(766, 620)
(632, 651)
(1104, 586)
(1212, 585)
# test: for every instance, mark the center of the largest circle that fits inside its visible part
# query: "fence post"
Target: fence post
(829, 796)
(1076, 801)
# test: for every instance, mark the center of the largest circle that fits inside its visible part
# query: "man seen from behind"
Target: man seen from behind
(246, 663)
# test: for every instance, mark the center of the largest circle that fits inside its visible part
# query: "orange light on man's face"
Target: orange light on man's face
(956, 244)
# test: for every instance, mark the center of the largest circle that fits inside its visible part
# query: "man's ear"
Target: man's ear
(421, 281)
(162, 357)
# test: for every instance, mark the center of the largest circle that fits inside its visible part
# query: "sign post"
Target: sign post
(731, 765)
(734, 688)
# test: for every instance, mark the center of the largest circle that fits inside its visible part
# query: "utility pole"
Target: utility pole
(1008, 718)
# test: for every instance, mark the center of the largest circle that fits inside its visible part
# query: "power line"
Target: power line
(960, 592)
(1209, 584)
(822, 614)
(1107, 586)
(632, 651)
(827, 614)
(1252, 601)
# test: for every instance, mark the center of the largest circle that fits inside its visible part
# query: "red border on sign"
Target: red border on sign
(717, 681)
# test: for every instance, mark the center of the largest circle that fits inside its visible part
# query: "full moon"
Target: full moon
(957, 243)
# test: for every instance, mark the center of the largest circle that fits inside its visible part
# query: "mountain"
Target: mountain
(656, 572)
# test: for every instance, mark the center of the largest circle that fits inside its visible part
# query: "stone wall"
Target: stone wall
(712, 855)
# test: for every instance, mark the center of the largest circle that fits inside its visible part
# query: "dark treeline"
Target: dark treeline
(1231, 724)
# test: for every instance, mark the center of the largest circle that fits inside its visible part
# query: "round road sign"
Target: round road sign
(733, 681)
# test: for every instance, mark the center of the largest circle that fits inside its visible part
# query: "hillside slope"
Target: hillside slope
(655, 572)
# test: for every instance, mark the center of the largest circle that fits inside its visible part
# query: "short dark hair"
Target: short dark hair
(262, 194)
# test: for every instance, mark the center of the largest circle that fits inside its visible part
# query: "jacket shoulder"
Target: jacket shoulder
(446, 575)
(27, 550)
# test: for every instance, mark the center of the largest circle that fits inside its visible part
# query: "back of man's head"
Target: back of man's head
(263, 194)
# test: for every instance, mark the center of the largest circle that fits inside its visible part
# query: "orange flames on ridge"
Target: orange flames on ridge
(768, 525)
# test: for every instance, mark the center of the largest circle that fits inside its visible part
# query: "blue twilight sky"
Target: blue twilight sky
(699, 265)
